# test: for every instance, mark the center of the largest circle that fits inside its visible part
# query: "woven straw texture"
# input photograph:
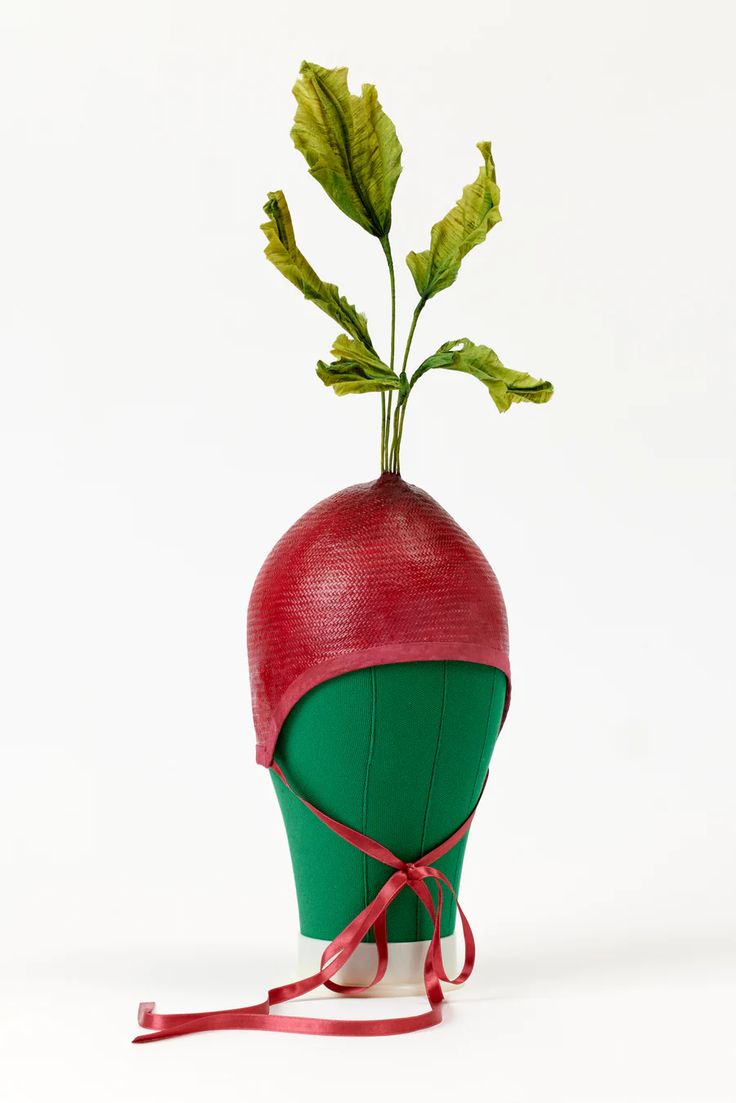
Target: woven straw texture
(377, 573)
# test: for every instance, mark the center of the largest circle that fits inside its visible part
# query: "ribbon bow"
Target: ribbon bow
(412, 875)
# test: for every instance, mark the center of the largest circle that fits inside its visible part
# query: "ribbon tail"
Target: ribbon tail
(468, 938)
(258, 1016)
(379, 930)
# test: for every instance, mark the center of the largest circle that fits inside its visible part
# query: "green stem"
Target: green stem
(394, 449)
(398, 427)
(415, 318)
(383, 430)
(386, 424)
(401, 431)
(389, 260)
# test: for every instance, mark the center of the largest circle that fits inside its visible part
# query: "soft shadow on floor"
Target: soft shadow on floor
(600, 961)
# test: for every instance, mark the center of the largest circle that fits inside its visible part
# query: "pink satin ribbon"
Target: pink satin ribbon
(407, 874)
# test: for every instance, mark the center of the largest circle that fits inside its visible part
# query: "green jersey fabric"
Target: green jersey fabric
(398, 752)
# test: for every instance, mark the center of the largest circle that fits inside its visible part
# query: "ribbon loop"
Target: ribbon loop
(413, 875)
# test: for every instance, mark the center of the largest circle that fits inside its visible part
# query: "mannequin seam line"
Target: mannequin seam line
(457, 852)
(484, 744)
(369, 761)
(432, 777)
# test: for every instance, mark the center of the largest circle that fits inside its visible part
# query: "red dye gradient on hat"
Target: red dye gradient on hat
(377, 573)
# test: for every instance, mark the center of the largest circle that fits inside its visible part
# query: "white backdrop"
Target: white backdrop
(162, 426)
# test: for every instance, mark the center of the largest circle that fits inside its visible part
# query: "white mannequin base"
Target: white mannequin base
(404, 974)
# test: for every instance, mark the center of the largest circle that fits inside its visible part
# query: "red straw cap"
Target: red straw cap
(377, 573)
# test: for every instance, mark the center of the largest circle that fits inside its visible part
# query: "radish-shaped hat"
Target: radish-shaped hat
(377, 633)
(377, 573)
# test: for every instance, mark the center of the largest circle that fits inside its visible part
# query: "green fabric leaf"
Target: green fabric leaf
(357, 369)
(349, 143)
(282, 251)
(504, 385)
(465, 226)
